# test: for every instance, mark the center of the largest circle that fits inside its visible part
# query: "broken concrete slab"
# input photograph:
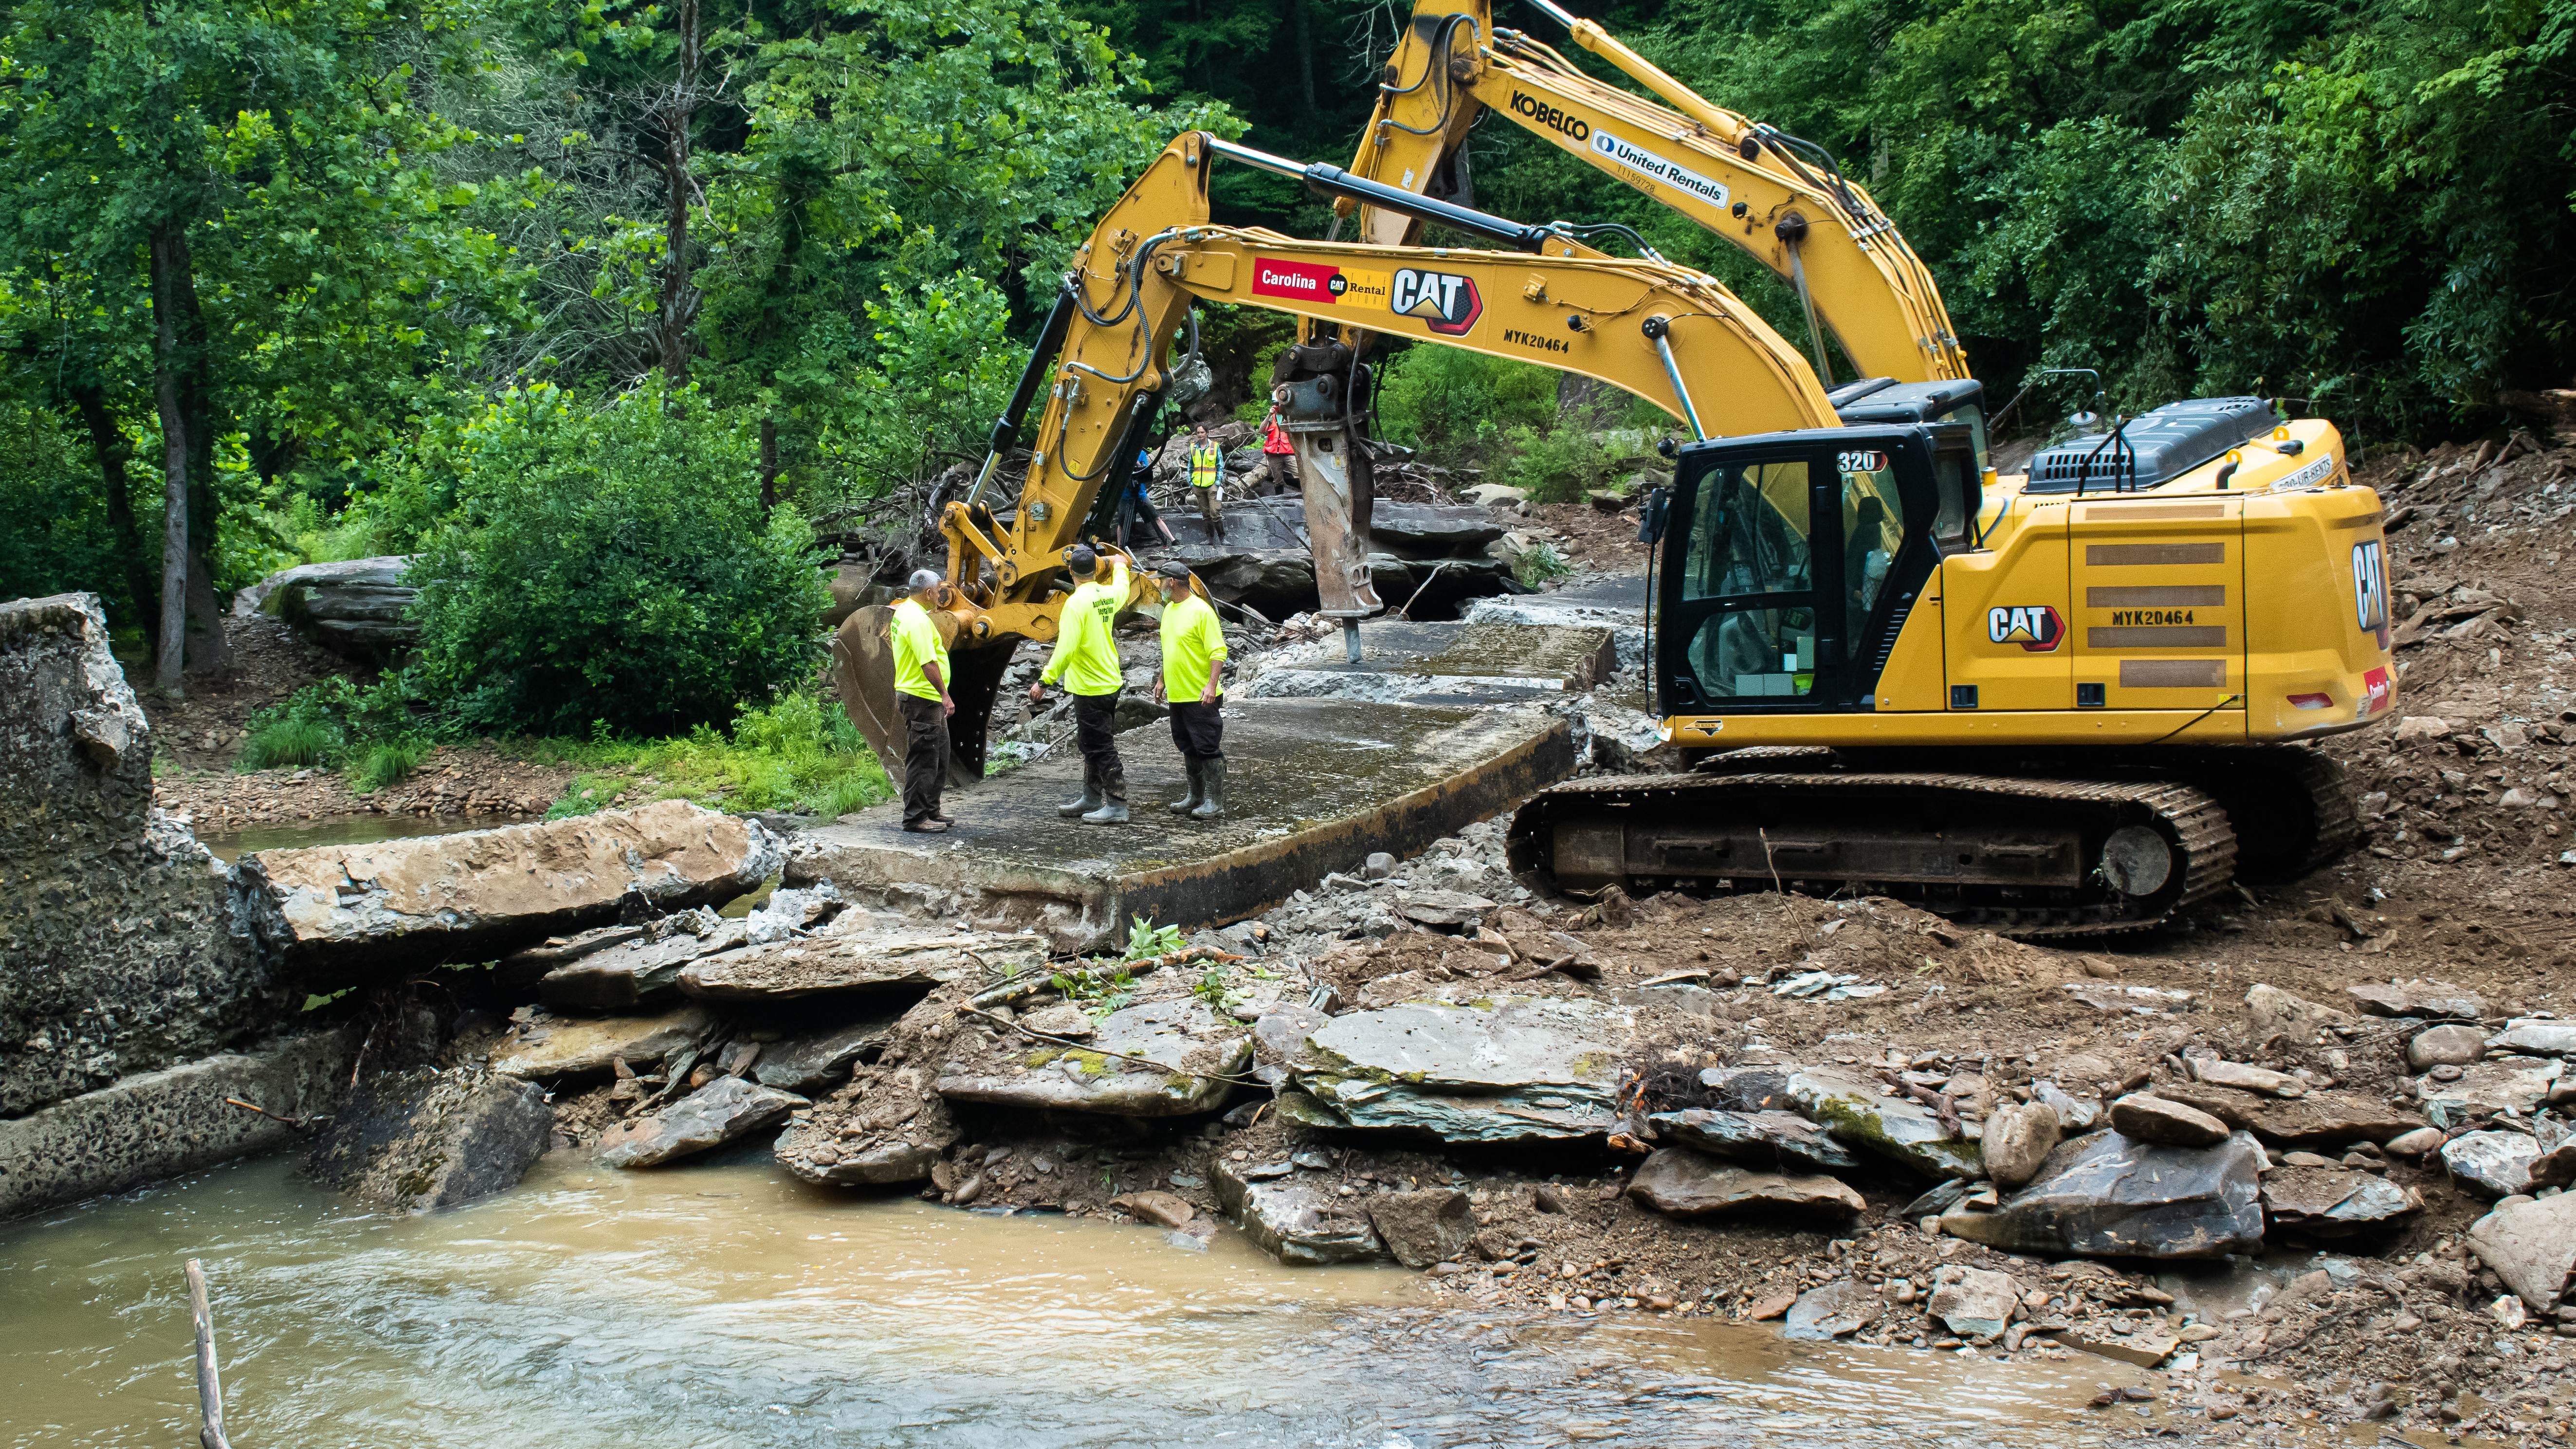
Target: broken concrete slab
(2324, 1119)
(568, 1046)
(2495, 1163)
(727, 1109)
(807, 1064)
(160, 1124)
(1316, 785)
(1425, 1227)
(410, 1141)
(889, 962)
(1771, 1139)
(1437, 663)
(1974, 1302)
(1501, 1069)
(1899, 1129)
(2333, 1202)
(642, 971)
(1298, 1220)
(2433, 999)
(1681, 1183)
(1616, 602)
(1167, 1058)
(2110, 1196)
(347, 914)
(1831, 1311)
(2536, 1036)
(2531, 1246)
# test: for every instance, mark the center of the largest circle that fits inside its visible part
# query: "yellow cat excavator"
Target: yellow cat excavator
(2057, 704)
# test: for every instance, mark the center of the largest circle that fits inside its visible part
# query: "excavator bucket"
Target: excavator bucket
(863, 660)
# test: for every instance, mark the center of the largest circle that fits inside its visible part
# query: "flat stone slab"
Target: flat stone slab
(2319, 1119)
(1832, 1311)
(2531, 1246)
(1776, 1139)
(1896, 1128)
(1504, 1069)
(885, 962)
(2519, 1083)
(1436, 663)
(640, 972)
(1300, 1221)
(1313, 786)
(347, 914)
(2109, 1196)
(811, 1062)
(1684, 1184)
(2495, 1163)
(567, 1046)
(2331, 1202)
(2535, 1036)
(1167, 1058)
(727, 1109)
(2417, 998)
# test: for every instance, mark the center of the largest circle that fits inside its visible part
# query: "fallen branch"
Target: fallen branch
(295, 1122)
(210, 1387)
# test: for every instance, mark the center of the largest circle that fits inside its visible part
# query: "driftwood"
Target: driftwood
(210, 1386)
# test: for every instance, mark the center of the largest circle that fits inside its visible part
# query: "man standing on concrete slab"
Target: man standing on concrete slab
(1086, 659)
(1207, 481)
(1193, 658)
(921, 695)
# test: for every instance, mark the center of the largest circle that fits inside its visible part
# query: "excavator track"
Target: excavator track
(2023, 856)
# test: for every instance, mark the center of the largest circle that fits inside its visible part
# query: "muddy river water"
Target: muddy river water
(727, 1304)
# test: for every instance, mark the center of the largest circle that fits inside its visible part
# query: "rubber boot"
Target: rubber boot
(1091, 798)
(1198, 789)
(1212, 783)
(1114, 810)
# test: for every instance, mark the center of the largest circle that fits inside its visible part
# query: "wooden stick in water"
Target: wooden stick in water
(210, 1386)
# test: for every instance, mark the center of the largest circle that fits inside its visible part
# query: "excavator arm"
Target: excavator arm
(1664, 333)
(1780, 199)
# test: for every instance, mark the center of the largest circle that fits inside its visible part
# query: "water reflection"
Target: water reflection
(726, 1304)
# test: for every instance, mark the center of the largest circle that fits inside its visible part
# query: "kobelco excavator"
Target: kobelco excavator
(2057, 704)
(1783, 201)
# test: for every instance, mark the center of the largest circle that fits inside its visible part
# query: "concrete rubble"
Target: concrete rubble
(416, 1139)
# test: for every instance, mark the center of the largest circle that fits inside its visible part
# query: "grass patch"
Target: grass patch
(292, 741)
(386, 764)
(797, 754)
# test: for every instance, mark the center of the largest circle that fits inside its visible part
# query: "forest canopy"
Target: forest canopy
(281, 263)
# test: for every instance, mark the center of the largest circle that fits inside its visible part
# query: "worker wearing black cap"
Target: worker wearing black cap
(1193, 663)
(1086, 659)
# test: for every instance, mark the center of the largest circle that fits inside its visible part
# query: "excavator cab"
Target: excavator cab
(1792, 560)
(1885, 400)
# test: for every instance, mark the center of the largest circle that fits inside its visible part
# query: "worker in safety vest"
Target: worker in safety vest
(1207, 481)
(1086, 659)
(1193, 659)
(921, 696)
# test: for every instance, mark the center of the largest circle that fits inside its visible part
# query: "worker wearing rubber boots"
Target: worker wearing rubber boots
(921, 696)
(1086, 659)
(1193, 660)
(1207, 481)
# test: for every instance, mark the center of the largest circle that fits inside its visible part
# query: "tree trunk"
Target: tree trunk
(1306, 50)
(107, 443)
(768, 464)
(208, 653)
(173, 648)
(679, 299)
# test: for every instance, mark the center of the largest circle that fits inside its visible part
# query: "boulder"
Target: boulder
(724, 1110)
(641, 971)
(1500, 1069)
(2330, 1202)
(2446, 1046)
(348, 914)
(2074, 1114)
(1974, 1302)
(2531, 1246)
(563, 1046)
(2417, 998)
(2211, 1071)
(2416, 1143)
(2108, 1195)
(2535, 1036)
(410, 1141)
(808, 1064)
(1167, 1058)
(893, 962)
(2495, 1163)
(2150, 1118)
(2498, 1084)
(1298, 1220)
(2018, 1138)
(1831, 1311)
(1684, 1184)
(1772, 1139)
(360, 608)
(1425, 1227)
(2325, 1119)
(1898, 1129)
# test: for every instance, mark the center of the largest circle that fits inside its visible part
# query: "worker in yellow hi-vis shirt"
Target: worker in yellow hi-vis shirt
(1086, 659)
(921, 696)
(1207, 480)
(1193, 657)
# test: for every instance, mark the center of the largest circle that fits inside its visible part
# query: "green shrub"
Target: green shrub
(1432, 397)
(1540, 562)
(797, 753)
(1555, 464)
(612, 564)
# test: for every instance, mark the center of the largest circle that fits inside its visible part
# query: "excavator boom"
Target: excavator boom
(1783, 201)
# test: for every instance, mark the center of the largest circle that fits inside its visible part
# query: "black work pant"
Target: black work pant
(1198, 730)
(925, 756)
(1095, 730)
